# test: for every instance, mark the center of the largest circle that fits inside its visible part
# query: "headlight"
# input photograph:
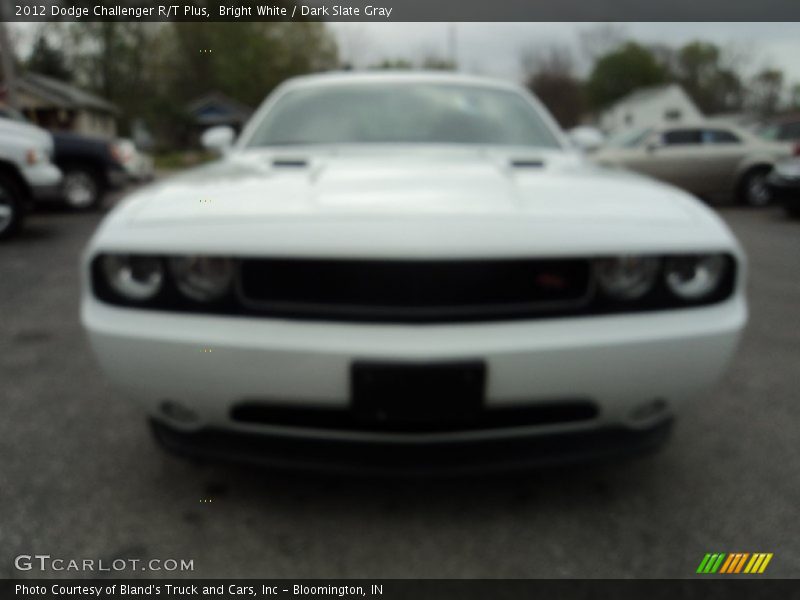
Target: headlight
(32, 156)
(137, 278)
(626, 277)
(202, 278)
(694, 277)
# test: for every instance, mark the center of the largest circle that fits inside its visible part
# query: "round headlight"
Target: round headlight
(694, 277)
(202, 278)
(137, 278)
(626, 277)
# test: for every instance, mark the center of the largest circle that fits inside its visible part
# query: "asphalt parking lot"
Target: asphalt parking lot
(81, 478)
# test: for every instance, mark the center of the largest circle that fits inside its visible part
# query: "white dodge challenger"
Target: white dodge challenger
(410, 271)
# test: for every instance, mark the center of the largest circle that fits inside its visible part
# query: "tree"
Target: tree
(550, 75)
(621, 71)
(794, 97)
(47, 60)
(765, 92)
(151, 70)
(433, 62)
(393, 64)
(714, 86)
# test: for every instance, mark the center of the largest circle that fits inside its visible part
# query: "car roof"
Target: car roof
(390, 76)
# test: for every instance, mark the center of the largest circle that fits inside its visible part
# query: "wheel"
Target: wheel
(83, 189)
(10, 207)
(753, 190)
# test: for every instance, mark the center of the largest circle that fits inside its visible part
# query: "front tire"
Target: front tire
(753, 189)
(11, 207)
(83, 189)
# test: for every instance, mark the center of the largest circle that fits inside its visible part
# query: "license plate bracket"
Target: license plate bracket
(406, 393)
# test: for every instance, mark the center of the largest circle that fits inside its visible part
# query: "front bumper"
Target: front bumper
(417, 458)
(44, 181)
(214, 364)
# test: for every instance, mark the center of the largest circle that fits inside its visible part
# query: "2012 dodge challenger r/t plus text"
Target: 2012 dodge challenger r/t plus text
(410, 271)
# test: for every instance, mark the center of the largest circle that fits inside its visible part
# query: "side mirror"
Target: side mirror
(585, 139)
(218, 139)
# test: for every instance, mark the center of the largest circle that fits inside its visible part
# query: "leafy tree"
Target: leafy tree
(47, 60)
(621, 71)
(152, 70)
(699, 67)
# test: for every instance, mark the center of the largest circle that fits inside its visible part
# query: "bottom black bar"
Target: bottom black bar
(731, 588)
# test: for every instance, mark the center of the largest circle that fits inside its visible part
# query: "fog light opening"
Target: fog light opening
(178, 413)
(649, 410)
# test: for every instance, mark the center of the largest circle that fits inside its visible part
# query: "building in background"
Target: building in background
(56, 105)
(650, 106)
(215, 108)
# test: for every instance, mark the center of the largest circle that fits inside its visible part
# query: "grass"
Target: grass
(175, 161)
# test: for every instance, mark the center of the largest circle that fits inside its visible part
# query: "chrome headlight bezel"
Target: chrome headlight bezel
(133, 277)
(202, 278)
(692, 278)
(627, 278)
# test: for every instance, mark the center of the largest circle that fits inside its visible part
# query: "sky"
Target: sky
(496, 48)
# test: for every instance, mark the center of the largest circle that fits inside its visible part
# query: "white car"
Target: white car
(26, 171)
(410, 271)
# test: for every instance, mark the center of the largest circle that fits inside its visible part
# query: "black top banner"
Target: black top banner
(401, 10)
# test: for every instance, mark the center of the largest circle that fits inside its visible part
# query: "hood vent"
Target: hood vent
(527, 163)
(290, 163)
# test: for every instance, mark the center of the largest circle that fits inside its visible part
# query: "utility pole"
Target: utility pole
(7, 59)
(452, 45)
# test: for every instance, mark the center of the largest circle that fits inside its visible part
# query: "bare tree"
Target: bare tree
(550, 75)
(7, 59)
(597, 40)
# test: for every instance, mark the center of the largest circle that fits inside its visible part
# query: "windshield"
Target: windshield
(630, 138)
(414, 113)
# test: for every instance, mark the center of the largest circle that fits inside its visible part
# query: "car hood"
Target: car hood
(37, 135)
(478, 192)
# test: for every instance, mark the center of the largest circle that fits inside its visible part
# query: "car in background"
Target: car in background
(783, 129)
(713, 162)
(27, 174)
(138, 165)
(784, 183)
(410, 271)
(91, 165)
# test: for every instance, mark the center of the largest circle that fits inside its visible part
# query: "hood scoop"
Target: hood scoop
(527, 163)
(290, 163)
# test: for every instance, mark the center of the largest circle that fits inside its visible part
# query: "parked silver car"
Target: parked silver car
(714, 162)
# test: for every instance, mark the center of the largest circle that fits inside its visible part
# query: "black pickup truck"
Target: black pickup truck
(91, 166)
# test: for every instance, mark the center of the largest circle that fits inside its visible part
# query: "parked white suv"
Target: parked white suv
(26, 171)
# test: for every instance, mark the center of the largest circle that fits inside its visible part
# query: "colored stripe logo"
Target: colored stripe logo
(737, 562)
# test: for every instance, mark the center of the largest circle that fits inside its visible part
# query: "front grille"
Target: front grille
(403, 290)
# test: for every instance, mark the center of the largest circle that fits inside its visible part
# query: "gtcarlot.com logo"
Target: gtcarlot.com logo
(45, 562)
(734, 563)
